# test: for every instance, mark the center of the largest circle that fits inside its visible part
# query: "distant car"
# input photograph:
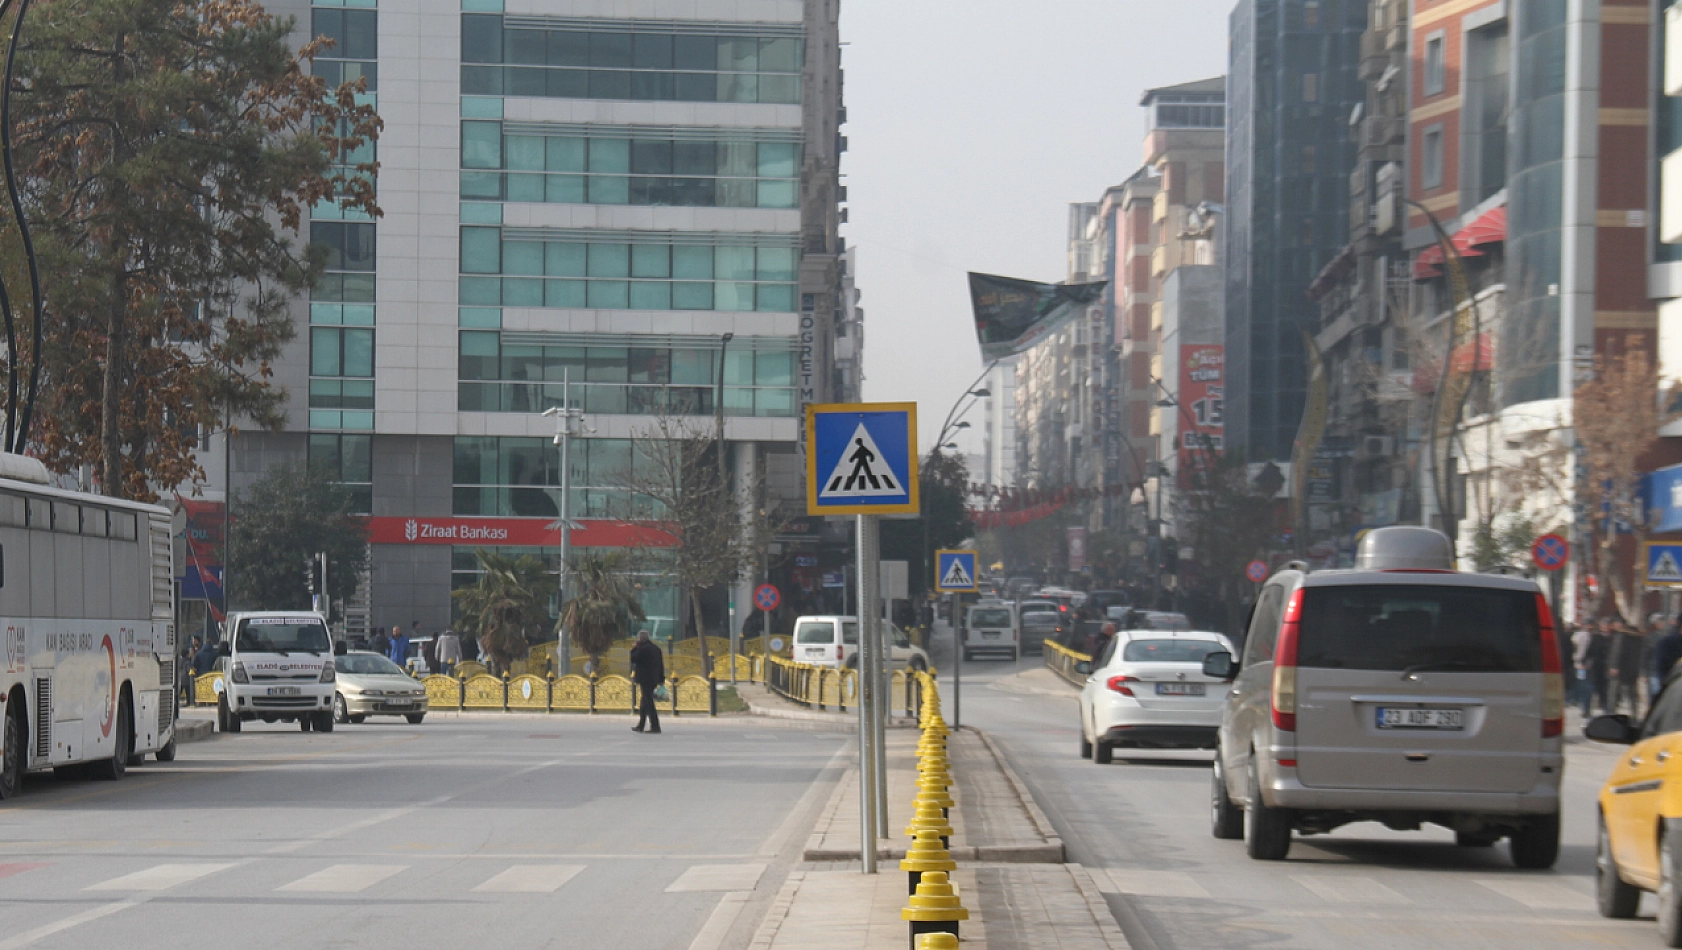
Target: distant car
(1148, 691)
(1039, 621)
(369, 684)
(833, 641)
(1103, 600)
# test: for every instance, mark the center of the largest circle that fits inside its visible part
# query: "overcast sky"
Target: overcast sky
(971, 126)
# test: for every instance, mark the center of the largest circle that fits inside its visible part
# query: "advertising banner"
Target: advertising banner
(1077, 548)
(1202, 398)
(1012, 315)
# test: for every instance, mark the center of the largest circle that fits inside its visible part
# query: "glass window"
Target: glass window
(1435, 68)
(481, 39)
(733, 263)
(738, 55)
(773, 369)
(609, 260)
(481, 251)
(475, 461)
(692, 295)
(325, 356)
(563, 260)
(608, 364)
(1396, 627)
(778, 263)
(778, 159)
(695, 158)
(349, 245)
(692, 262)
(355, 33)
(1431, 157)
(1169, 651)
(652, 51)
(568, 48)
(565, 153)
(1264, 626)
(609, 190)
(693, 367)
(694, 52)
(648, 365)
(524, 152)
(480, 356)
(359, 352)
(612, 156)
(651, 157)
(780, 55)
(522, 257)
(481, 145)
(610, 49)
(526, 47)
(563, 293)
(738, 367)
(651, 260)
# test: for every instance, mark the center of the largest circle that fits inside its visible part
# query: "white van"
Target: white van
(990, 627)
(277, 666)
(834, 642)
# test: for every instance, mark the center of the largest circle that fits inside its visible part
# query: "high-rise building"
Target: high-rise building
(581, 201)
(1291, 83)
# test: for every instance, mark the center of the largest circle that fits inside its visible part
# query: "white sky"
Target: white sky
(971, 126)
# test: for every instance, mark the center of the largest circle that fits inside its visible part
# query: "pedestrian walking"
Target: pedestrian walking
(1597, 657)
(648, 669)
(380, 643)
(449, 652)
(1629, 646)
(205, 659)
(399, 646)
(184, 669)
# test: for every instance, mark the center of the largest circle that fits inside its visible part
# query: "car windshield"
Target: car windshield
(1395, 627)
(368, 664)
(1169, 651)
(990, 617)
(283, 635)
(1041, 618)
(1161, 620)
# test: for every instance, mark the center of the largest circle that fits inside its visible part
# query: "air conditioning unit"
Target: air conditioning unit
(1377, 446)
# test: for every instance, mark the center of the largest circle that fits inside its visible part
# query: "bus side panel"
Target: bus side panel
(97, 594)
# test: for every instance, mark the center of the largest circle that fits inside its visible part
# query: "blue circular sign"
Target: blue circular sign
(767, 597)
(1550, 552)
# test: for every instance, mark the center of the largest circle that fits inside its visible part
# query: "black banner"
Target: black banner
(1012, 315)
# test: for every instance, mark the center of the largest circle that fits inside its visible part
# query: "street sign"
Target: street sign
(1664, 564)
(767, 597)
(861, 458)
(1550, 552)
(954, 572)
(1256, 571)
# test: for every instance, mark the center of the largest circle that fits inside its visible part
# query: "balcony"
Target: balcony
(1159, 261)
(1375, 54)
(1159, 207)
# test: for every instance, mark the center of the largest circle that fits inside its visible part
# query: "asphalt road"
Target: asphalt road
(1143, 827)
(522, 831)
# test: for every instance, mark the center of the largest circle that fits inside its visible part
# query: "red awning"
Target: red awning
(1489, 228)
(1429, 263)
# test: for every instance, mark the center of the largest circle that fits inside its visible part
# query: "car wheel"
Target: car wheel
(341, 712)
(324, 722)
(1267, 830)
(304, 723)
(1612, 895)
(1226, 820)
(11, 764)
(167, 753)
(1085, 743)
(414, 718)
(1475, 839)
(358, 720)
(1102, 752)
(1670, 903)
(222, 713)
(1536, 845)
(122, 739)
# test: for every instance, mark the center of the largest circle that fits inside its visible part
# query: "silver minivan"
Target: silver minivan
(1403, 692)
(990, 627)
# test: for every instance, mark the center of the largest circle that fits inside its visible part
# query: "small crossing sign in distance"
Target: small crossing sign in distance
(861, 459)
(1664, 564)
(954, 572)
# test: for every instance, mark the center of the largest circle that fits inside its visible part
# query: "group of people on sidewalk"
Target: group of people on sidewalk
(1620, 666)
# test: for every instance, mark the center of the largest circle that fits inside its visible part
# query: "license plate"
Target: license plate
(1179, 689)
(1391, 717)
(399, 702)
(283, 690)
(989, 634)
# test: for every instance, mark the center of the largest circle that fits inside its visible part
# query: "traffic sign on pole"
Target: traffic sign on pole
(1550, 552)
(767, 597)
(1664, 564)
(861, 458)
(955, 572)
(1256, 571)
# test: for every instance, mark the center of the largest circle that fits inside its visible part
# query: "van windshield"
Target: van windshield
(991, 617)
(1394, 627)
(283, 635)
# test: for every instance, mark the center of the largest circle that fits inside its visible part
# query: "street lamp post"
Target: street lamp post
(569, 424)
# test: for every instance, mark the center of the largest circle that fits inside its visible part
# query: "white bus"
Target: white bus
(86, 599)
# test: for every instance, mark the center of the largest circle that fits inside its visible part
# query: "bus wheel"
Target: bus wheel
(11, 764)
(167, 753)
(304, 723)
(122, 740)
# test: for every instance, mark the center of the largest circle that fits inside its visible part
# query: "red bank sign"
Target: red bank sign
(517, 532)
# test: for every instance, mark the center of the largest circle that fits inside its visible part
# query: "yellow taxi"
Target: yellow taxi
(1640, 840)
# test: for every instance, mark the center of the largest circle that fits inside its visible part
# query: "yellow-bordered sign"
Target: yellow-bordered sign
(955, 572)
(861, 458)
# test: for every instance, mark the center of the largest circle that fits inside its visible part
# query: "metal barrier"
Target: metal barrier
(1064, 662)
(529, 693)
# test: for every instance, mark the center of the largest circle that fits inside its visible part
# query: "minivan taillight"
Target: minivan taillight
(1285, 667)
(1119, 684)
(1553, 681)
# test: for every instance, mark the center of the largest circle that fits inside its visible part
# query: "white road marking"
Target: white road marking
(1348, 889)
(718, 924)
(718, 877)
(344, 878)
(1145, 883)
(531, 879)
(30, 937)
(1538, 894)
(159, 878)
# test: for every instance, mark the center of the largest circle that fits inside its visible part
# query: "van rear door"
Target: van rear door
(1427, 686)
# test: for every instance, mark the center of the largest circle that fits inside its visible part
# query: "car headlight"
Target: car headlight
(328, 674)
(239, 673)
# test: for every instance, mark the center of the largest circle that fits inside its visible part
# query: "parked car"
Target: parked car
(1103, 600)
(1640, 839)
(369, 684)
(990, 627)
(833, 641)
(1433, 696)
(1148, 691)
(1039, 621)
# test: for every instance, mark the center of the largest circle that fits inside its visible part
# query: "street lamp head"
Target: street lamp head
(728, 337)
(960, 425)
(950, 445)
(1166, 403)
(981, 393)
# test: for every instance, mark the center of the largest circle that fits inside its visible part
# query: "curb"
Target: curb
(1099, 908)
(193, 730)
(1042, 824)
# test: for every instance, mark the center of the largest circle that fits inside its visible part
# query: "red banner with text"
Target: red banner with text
(1202, 400)
(517, 532)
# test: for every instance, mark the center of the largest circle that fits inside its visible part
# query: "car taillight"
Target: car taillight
(840, 652)
(1119, 684)
(1553, 681)
(1285, 667)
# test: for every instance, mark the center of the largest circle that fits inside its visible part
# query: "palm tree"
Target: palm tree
(605, 605)
(512, 596)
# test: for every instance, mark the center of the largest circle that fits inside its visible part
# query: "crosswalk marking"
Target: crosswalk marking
(1345, 889)
(1538, 894)
(530, 879)
(159, 878)
(7, 870)
(344, 878)
(718, 877)
(1143, 883)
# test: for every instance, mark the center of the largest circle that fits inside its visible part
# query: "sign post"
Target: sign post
(861, 460)
(955, 574)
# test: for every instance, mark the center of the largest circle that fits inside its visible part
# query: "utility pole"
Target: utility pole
(868, 559)
(569, 424)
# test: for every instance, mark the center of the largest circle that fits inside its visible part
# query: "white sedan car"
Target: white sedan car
(1147, 691)
(371, 685)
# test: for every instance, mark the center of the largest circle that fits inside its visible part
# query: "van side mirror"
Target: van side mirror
(223, 649)
(1220, 665)
(1084, 667)
(1617, 729)
(340, 648)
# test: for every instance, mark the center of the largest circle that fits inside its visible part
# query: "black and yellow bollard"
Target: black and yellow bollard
(927, 853)
(934, 909)
(932, 818)
(937, 942)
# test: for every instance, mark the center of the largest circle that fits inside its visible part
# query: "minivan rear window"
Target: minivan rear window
(1169, 651)
(992, 617)
(823, 631)
(1397, 627)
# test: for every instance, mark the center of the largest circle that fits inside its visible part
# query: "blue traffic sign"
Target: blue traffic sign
(1550, 552)
(954, 572)
(767, 597)
(1664, 564)
(861, 459)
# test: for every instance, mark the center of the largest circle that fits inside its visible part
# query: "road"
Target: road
(1143, 826)
(559, 831)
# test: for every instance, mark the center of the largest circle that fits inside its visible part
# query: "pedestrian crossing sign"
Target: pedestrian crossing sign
(954, 572)
(861, 458)
(1664, 564)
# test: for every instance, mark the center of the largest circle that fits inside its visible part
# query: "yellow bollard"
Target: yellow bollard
(937, 942)
(933, 794)
(930, 818)
(934, 909)
(926, 853)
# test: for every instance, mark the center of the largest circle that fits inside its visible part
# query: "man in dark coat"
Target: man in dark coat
(648, 669)
(1667, 650)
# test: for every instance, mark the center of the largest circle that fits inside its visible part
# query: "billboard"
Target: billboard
(1012, 315)
(1202, 398)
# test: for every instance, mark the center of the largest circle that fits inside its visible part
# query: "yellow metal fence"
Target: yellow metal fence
(1067, 663)
(528, 693)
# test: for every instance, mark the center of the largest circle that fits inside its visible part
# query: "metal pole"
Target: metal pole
(866, 557)
(227, 507)
(879, 677)
(957, 660)
(567, 417)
